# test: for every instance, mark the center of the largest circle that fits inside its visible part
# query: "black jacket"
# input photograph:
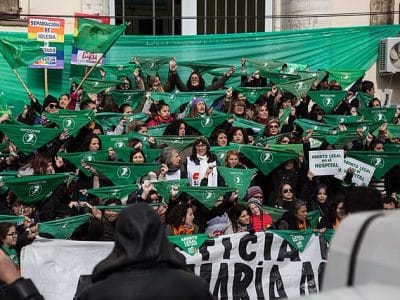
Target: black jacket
(143, 264)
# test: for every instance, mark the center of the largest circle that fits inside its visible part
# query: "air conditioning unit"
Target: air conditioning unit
(389, 55)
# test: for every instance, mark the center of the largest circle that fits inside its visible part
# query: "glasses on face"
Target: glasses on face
(287, 191)
(52, 106)
(13, 234)
(273, 126)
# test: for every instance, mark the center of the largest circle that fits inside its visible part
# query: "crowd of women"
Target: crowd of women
(290, 187)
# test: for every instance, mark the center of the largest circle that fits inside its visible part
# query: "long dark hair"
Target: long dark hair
(4, 226)
(234, 214)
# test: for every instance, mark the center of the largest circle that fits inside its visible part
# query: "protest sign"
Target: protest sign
(362, 172)
(247, 266)
(326, 162)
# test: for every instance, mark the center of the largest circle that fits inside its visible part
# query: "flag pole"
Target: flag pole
(89, 72)
(22, 82)
(46, 84)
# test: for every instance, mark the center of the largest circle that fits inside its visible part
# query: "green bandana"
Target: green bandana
(252, 94)
(272, 139)
(96, 86)
(298, 87)
(382, 161)
(108, 192)
(220, 151)
(206, 195)
(284, 116)
(71, 120)
(20, 52)
(157, 130)
(132, 97)
(122, 173)
(345, 77)
(150, 154)
(119, 70)
(296, 238)
(29, 138)
(202, 67)
(151, 65)
(177, 142)
(12, 254)
(277, 213)
(382, 114)
(34, 188)
(364, 98)
(314, 125)
(205, 125)
(266, 160)
(327, 100)
(328, 235)
(116, 208)
(96, 37)
(335, 120)
(164, 187)
(394, 130)
(108, 120)
(121, 141)
(4, 109)
(392, 147)
(256, 127)
(189, 243)
(11, 219)
(296, 148)
(63, 228)
(239, 179)
(292, 67)
(76, 158)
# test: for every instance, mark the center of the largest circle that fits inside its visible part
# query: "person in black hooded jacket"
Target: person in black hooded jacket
(143, 264)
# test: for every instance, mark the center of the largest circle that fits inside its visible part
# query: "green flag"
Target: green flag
(34, 188)
(202, 67)
(29, 138)
(327, 100)
(132, 97)
(261, 139)
(11, 219)
(293, 68)
(122, 173)
(119, 191)
(76, 158)
(380, 114)
(20, 52)
(189, 243)
(345, 77)
(96, 37)
(71, 120)
(205, 125)
(382, 161)
(266, 160)
(108, 120)
(121, 141)
(164, 187)
(220, 151)
(252, 93)
(296, 238)
(392, 147)
(96, 86)
(297, 87)
(175, 141)
(266, 65)
(236, 178)
(4, 109)
(63, 228)
(364, 98)
(206, 195)
(151, 65)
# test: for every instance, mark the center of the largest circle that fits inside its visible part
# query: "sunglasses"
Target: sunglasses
(51, 105)
(287, 191)
(273, 126)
